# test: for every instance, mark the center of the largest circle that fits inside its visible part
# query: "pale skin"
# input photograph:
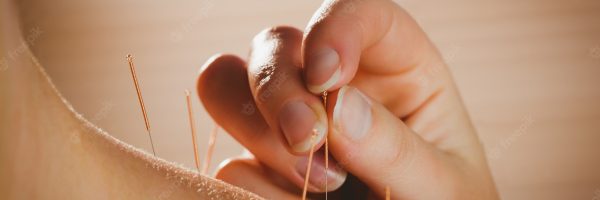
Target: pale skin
(48, 151)
(394, 116)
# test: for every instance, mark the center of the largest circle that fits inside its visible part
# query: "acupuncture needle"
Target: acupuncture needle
(211, 147)
(326, 148)
(141, 101)
(193, 128)
(310, 158)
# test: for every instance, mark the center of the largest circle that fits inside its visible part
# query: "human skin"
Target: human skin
(49, 151)
(394, 116)
(43, 140)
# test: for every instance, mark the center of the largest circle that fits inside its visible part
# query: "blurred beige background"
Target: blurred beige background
(529, 72)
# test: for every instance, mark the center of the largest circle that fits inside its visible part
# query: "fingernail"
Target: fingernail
(325, 61)
(298, 122)
(320, 178)
(352, 113)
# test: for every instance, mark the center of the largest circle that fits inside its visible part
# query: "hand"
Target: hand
(394, 115)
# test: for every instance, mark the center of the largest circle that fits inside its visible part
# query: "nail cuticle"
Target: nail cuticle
(300, 141)
(352, 115)
(316, 89)
(324, 61)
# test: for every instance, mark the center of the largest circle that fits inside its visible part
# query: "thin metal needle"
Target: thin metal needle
(326, 165)
(139, 94)
(211, 147)
(326, 149)
(310, 158)
(192, 127)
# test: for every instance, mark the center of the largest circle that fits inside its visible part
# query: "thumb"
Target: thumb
(378, 148)
(377, 35)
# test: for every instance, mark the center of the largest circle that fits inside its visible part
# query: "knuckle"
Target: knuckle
(277, 33)
(269, 84)
(274, 60)
(219, 63)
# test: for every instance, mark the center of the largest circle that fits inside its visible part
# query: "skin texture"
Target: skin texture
(420, 137)
(387, 82)
(48, 151)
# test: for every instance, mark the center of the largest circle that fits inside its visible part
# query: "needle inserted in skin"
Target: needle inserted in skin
(139, 94)
(310, 157)
(192, 127)
(211, 147)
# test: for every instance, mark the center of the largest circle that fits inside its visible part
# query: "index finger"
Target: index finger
(375, 34)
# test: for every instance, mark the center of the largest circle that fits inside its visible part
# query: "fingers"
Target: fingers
(378, 148)
(224, 89)
(280, 94)
(248, 174)
(290, 110)
(344, 34)
(380, 49)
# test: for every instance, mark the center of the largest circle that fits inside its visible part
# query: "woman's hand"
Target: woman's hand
(394, 115)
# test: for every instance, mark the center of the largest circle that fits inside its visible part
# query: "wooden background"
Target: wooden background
(529, 72)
